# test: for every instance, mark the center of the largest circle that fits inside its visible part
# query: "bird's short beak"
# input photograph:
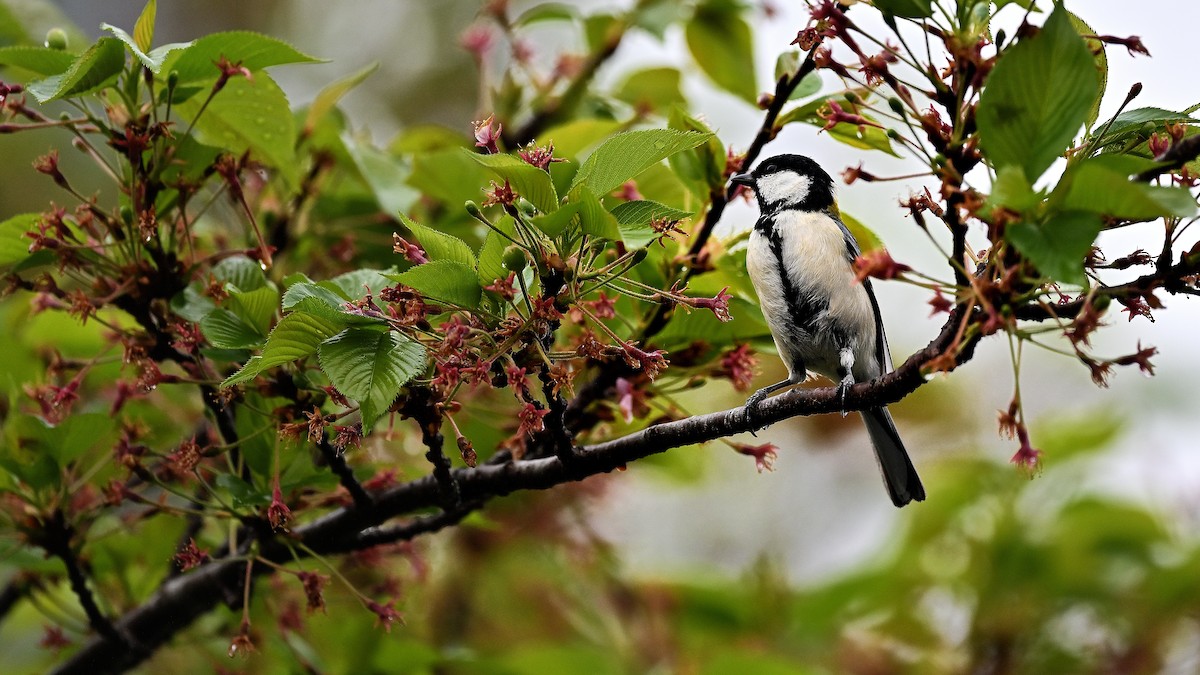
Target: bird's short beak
(742, 179)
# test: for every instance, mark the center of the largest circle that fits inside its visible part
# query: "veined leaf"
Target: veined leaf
(634, 220)
(143, 30)
(301, 291)
(554, 224)
(241, 272)
(253, 51)
(1037, 97)
(227, 330)
(527, 180)
(152, 60)
(654, 88)
(357, 283)
(296, 336)
(370, 366)
(40, 60)
(445, 281)
(91, 70)
(627, 154)
(909, 9)
(438, 245)
(14, 246)
(1094, 185)
(594, 219)
(256, 307)
(248, 115)
(386, 175)
(491, 253)
(1057, 248)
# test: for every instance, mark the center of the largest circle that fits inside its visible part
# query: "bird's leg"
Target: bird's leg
(846, 370)
(751, 407)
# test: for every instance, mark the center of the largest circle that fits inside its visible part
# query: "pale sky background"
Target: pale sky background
(824, 507)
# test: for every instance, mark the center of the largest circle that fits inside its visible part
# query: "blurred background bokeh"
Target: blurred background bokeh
(1091, 566)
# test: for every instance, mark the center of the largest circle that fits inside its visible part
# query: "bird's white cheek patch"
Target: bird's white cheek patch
(783, 188)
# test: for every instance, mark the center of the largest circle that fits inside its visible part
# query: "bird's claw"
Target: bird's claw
(843, 388)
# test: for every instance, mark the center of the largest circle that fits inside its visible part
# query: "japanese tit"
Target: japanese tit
(801, 262)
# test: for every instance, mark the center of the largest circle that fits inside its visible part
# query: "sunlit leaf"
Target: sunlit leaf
(370, 366)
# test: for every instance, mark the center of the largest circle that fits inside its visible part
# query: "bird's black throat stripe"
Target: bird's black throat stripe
(803, 308)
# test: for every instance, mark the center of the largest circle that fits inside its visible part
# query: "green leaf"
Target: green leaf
(14, 245)
(1138, 119)
(652, 89)
(634, 220)
(299, 292)
(1012, 190)
(438, 245)
(91, 70)
(594, 219)
(627, 154)
(909, 9)
(256, 307)
(328, 97)
(1057, 248)
(787, 65)
(296, 336)
(548, 11)
(153, 60)
(227, 330)
(701, 168)
(445, 281)
(248, 115)
(527, 180)
(1094, 186)
(370, 366)
(1038, 96)
(241, 272)
(39, 60)
(386, 175)
(448, 175)
(490, 266)
(721, 43)
(554, 224)
(77, 434)
(143, 30)
(572, 138)
(1099, 57)
(253, 51)
(355, 283)
(191, 304)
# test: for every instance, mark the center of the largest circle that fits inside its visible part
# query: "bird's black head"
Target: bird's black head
(789, 182)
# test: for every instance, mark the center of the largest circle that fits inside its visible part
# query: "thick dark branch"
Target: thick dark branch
(1169, 279)
(181, 600)
(336, 462)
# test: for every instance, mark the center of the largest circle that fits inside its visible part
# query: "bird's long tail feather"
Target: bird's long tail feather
(899, 474)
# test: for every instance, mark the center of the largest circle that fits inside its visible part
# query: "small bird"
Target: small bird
(801, 262)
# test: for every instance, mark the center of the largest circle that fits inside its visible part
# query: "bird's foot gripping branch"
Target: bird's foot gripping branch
(267, 349)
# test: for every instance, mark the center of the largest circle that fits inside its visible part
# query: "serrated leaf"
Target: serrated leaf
(1095, 186)
(437, 244)
(143, 30)
(329, 97)
(256, 307)
(357, 283)
(240, 271)
(527, 180)
(152, 60)
(91, 70)
(491, 253)
(787, 65)
(301, 291)
(253, 51)
(865, 237)
(1057, 248)
(721, 43)
(627, 154)
(445, 281)
(14, 246)
(634, 219)
(1135, 120)
(554, 224)
(594, 219)
(1099, 57)
(370, 366)
(296, 336)
(222, 328)
(448, 175)
(1037, 98)
(40, 60)
(190, 304)
(248, 115)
